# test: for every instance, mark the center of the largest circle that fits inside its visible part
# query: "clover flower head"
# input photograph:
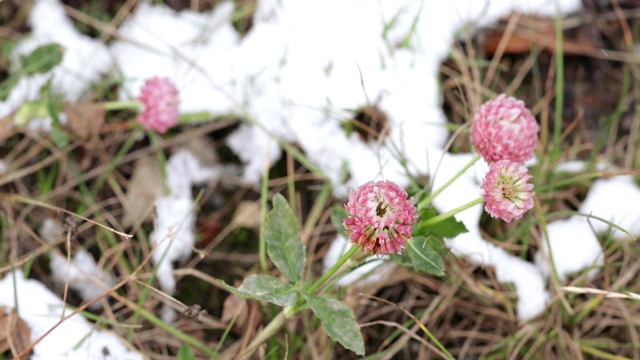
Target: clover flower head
(160, 99)
(381, 218)
(507, 193)
(504, 129)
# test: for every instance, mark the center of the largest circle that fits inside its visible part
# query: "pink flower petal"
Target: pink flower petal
(507, 193)
(504, 129)
(381, 218)
(160, 99)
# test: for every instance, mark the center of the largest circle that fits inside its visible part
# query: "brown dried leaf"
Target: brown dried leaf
(85, 119)
(234, 306)
(6, 125)
(204, 149)
(14, 332)
(533, 32)
(248, 214)
(145, 187)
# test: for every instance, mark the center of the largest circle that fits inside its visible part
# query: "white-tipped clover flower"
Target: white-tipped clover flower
(504, 129)
(507, 193)
(160, 99)
(381, 218)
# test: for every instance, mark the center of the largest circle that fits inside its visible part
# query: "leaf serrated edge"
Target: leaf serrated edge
(418, 253)
(359, 350)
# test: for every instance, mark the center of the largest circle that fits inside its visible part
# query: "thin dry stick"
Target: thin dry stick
(607, 294)
(502, 45)
(66, 283)
(134, 155)
(179, 306)
(23, 172)
(253, 314)
(469, 339)
(26, 200)
(418, 323)
(111, 291)
(410, 333)
(122, 13)
(523, 71)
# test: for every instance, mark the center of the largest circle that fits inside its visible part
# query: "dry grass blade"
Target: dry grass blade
(26, 200)
(607, 294)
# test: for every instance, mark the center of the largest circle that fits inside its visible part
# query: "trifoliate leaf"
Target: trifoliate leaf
(284, 245)
(42, 59)
(447, 228)
(266, 288)
(7, 85)
(338, 321)
(185, 353)
(419, 255)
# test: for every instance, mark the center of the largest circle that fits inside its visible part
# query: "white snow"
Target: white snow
(195, 50)
(74, 338)
(528, 282)
(82, 273)
(614, 199)
(83, 62)
(374, 269)
(574, 247)
(574, 244)
(174, 236)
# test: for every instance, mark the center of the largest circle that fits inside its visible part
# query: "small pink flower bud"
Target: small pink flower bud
(160, 99)
(507, 194)
(381, 218)
(504, 129)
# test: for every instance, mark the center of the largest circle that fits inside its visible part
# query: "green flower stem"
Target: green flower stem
(262, 242)
(333, 269)
(289, 311)
(29, 110)
(196, 118)
(190, 118)
(156, 141)
(426, 201)
(448, 214)
(122, 105)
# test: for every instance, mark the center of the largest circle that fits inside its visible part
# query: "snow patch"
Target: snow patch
(83, 62)
(614, 199)
(82, 273)
(74, 338)
(574, 247)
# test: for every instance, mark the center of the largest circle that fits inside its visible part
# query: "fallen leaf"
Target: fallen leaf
(246, 313)
(203, 148)
(145, 187)
(6, 125)
(235, 306)
(247, 214)
(14, 332)
(85, 119)
(532, 32)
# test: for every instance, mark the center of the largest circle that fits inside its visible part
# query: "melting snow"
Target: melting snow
(82, 272)
(74, 338)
